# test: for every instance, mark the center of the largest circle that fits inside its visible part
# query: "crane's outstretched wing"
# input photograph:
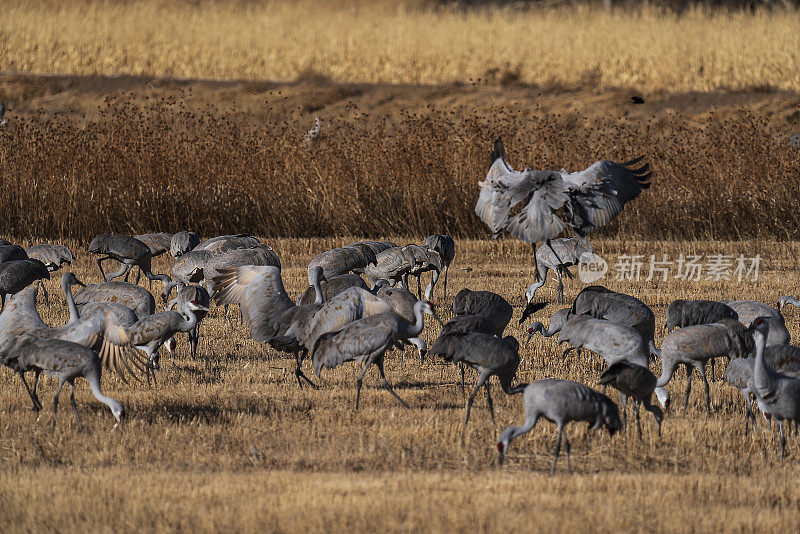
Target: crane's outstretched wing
(259, 291)
(598, 194)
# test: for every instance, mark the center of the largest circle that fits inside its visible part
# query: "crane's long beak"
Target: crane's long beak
(528, 338)
(437, 319)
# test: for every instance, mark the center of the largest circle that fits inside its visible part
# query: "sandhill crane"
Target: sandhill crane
(614, 342)
(16, 275)
(485, 303)
(9, 252)
(446, 248)
(53, 256)
(778, 395)
(392, 264)
(354, 257)
(183, 242)
(151, 332)
(487, 354)
(332, 287)
(258, 255)
(98, 331)
(683, 313)
(636, 382)
(189, 268)
(224, 243)
(158, 243)
(137, 298)
(348, 306)
(694, 345)
(367, 340)
(588, 199)
(561, 401)
(270, 314)
(749, 310)
(126, 250)
(65, 361)
(602, 303)
(558, 255)
(188, 294)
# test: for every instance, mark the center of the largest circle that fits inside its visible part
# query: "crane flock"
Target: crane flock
(359, 306)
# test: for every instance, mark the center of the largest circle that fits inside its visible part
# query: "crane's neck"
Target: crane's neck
(761, 376)
(189, 318)
(73, 309)
(94, 385)
(319, 298)
(415, 329)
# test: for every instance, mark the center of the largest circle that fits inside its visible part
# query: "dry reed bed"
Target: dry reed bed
(405, 42)
(157, 164)
(230, 441)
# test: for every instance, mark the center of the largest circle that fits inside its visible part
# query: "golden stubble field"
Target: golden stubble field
(409, 41)
(229, 441)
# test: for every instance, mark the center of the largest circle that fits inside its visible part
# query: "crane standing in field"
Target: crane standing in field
(199, 295)
(367, 340)
(129, 252)
(16, 275)
(443, 245)
(561, 401)
(53, 256)
(558, 256)
(586, 200)
(638, 383)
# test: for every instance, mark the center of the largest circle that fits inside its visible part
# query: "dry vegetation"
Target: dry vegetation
(229, 442)
(157, 163)
(404, 42)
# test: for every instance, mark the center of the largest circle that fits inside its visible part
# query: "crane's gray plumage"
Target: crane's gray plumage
(443, 245)
(16, 275)
(423, 260)
(636, 382)
(183, 242)
(778, 395)
(9, 252)
(487, 354)
(739, 374)
(332, 287)
(590, 198)
(561, 401)
(614, 342)
(484, 303)
(199, 295)
(65, 361)
(749, 310)
(53, 256)
(270, 314)
(683, 313)
(367, 340)
(402, 302)
(557, 255)
(189, 268)
(158, 243)
(225, 243)
(350, 258)
(137, 298)
(129, 252)
(602, 303)
(695, 345)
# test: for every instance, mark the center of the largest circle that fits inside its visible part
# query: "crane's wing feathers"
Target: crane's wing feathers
(355, 342)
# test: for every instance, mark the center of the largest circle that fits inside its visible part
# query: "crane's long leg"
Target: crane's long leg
(636, 405)
(489, 403)
(72, 401)
(481, 380)
(360, 379)
(194, 339)
(386, 385)
(702, 369)
(55, 402)
(688, 386)
(652, 409)
(122, 270)
(568, 448)
(36, 404)
(36, 374)
(446, 268)
(623, 400)
(463, 392)
(100, 266)
(749, 415)
(560, 295)
(557, 451)
(298, 372)
(783, 437)
(419, 287)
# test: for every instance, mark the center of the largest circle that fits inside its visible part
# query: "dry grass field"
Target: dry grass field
(412, 42)
(229, 441)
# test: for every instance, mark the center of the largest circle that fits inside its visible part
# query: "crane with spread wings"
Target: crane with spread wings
(580, 201)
